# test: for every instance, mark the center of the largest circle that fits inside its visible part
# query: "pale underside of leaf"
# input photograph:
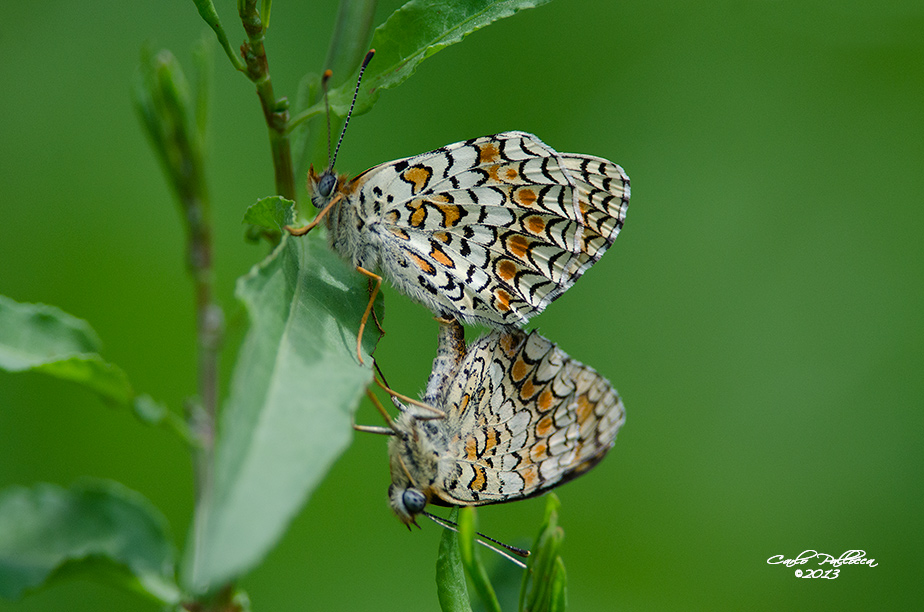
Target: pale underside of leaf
(295, 387)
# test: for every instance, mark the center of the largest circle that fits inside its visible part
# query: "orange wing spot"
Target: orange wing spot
(400, 233)
(506, 269)
(518, 245)
(392, 216)
(545, 400)
(503, 299)
(471, 448)
(422, 263)
(582, 205)
(519, 370)
(538, 451)
(488, 153)
(451, 214)
(464, 402)
(478, 483)
(527, 390)
(418, 177)
(531, 476)
(524, 197)
(535, 225)
(544, 427)
(506, 343)
(442, 237)
(578, 448)
(418, 212)
(490, 441)
(492, 173)
(442, 257)
(584, 409)
(512, 173)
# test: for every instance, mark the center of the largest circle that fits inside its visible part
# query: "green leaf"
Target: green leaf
(210, 16)
(99, 528)
(472, 562)
(45, 339)
(450, 575)
(295, 387)
(559, 592)
(413, 33)
(40, 338)
(93, 372)
(349, 43)
(539, 593)
(272, 213)
(35, 334)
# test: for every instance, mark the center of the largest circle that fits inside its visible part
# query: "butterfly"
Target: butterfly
(511, 418)
(487, 231)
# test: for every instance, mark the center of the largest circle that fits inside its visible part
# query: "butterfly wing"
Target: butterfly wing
(491, 230)
(531, 418)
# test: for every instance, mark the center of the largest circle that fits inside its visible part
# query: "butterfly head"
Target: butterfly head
(407, 503)
(414, 457)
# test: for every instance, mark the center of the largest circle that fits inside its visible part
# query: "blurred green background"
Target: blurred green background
(762, 314)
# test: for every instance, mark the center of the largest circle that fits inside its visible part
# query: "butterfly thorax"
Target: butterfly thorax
(418, 455)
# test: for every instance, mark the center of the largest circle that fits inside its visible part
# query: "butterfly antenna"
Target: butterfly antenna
(324, 79)
(346, 122)
(447, 524)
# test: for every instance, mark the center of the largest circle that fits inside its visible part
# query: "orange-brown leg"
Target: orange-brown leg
(437, 413)
(389, 431)
(301, 231)
(362, 322)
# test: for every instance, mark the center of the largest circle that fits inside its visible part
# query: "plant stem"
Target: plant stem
(275, 111)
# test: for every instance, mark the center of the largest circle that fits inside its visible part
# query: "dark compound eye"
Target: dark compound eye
(414, 501)
(326, 184)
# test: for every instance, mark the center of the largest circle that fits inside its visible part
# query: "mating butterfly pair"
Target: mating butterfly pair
(489, 231)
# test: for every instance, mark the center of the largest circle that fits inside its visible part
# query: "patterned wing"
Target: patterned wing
(497, 227)
(540, 420)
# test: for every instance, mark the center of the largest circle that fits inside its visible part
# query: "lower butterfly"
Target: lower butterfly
(488, 231)
(512, 418)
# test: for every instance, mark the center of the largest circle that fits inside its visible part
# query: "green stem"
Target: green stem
(210, 16)
(305, 115)
(275, 111)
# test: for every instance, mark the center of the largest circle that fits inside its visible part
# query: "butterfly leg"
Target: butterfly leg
(362, 323)
(301, 231)
(436, 413)
(388, 431)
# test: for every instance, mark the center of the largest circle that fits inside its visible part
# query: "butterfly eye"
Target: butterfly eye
(326, 184)
(414, 501)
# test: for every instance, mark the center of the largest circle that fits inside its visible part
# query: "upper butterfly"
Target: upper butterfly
(488, 230)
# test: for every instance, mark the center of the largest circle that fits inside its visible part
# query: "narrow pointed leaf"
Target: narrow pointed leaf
(450, 575)
(472, 561)
(558, 601)
(295, 387)
(413, 33)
